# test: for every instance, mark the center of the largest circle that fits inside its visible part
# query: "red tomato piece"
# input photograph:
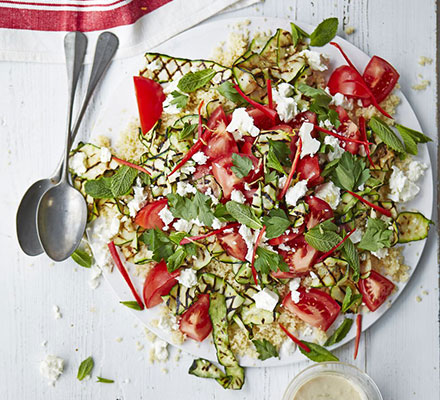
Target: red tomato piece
(148, 216)
(221, 143)
(350, 130)
(308, 168)
(261, 120)
(195, 321)
(150, 97)
(314, 307)
(319, 211)
(286, 237)
(342, 114)
(375, 289)
(217, 116)
(158, 283)
(381, 77)
(346, 80)
(246, 146)
(282, 127)
(234, 244)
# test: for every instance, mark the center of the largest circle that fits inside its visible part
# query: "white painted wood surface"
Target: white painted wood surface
(400, 352)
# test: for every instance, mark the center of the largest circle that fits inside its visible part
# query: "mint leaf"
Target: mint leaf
(281, 152)
(320, 96)
(243, 214)
(131, 304)
(85, 368)
(122, 181)
(324, 32)
(242, 165)
(226, 89)
(297, 34)
(195, 80)
(317, 353)
(323, 236)
(188, 129)
(386, 134)
(99, 188)
(145, 178)
(267, 260)
(81, 257)
(104, 380)
(350, 253)
(377, 235)
(176, 259)
(350, 300)
(350, 172)
(276, 223)
(333, 116)
(340, 332)
(411, 138)
(265, 349)
(179, 99)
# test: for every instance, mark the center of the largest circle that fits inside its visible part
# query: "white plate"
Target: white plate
(199, 43)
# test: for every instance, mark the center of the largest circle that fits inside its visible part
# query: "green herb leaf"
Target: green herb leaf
(265, 349)
(188, 129)
(324, 32)
(329, 167)
(197, 207)
(318, 353)
(195, 80)
(131, 304)
(276, 223)
(179, 99)
(320, 96)
(270, 177)
(273, 162)
(226, 89)
(242, 165)
(281, 152)
(243, 214)
(340, 332)
(104, 380)
(350, 172)
(176, 259)
(386, 134)
(99, 188)
(377, 235)
(323, 236)
(267, 260)
(81, 257)
(333, 116)
(202, 208)
(411, 138)
(297, 34)
(159, 243)
(350, 253)
(122, 181)
(85, 368)
(350, 300)
(222, 213)
(145, 178)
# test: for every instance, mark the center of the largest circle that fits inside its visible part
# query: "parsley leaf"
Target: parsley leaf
(202, 208)
(195, 80)
(350, 172)
(122, 181)
(281, 151)
(265, 349)
(350, 253)
(179, 99)
(297, 34)
(333, 116)
(242, 165)
(377, 235)
(270, 177)
(104, 380)
(85, 368)
(197, 207)
(324, 32)
(276, 223)
(350, 300)
(386, 134)
(188, 129)
(411, 138)
(81, 257)
(317, 353)
(320, 96)
(340, 332)
(226, 89)
(267, 260)
(243, 214)
(159, 243)
(323, 236)
(131, 304)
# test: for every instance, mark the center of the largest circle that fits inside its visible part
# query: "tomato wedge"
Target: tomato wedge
(375, 289)
(261, 120)
(158, 283)
(381, 77)
(195, 321)
(234, 244)
(221, 143)
(150, 98)
(217, 116)
(319, 211)
(309, 168)
(287, 237)
(148, 216)
(314, 307)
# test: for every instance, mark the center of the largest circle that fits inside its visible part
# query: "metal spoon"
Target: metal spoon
(27, 234)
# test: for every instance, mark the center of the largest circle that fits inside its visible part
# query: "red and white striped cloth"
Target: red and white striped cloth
(32, 30)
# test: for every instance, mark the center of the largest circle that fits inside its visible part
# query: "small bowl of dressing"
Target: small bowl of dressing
(332, 381)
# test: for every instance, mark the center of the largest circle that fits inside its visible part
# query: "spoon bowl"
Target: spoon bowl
(61, 220)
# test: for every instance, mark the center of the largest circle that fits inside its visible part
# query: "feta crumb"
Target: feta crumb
(181, 225)
(284, 247)
(340, 100)
(187, 277)
(294, 193)
(265, 299)
(356, 236)
(168, 322)
(381, 253)
(282, 181)
(154, 65)
(160, 348)
(166, 216)
(105, 154)
(51, 368)
(330, 193)
(286, 105)
(310, 145)
(139, 199)
(249, 239)
(287, 348)
(416, 170)
(238, 196)
(242, 123)
(402, 188)
(337, 149)
(188, 169)
(184, 188)
(56, 312)
(293, 287)
(317, 61)
(197, 222)
(217, 224)
(78, 163)
(200, 158)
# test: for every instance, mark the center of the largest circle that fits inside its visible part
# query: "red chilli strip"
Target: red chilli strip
(364, 135)
(382, 210)
(295, 339)
(325, 255)
(340, 137)
(292, 170)
(272, 114)
(129, 164)
(254, 253)
(269, 93)
(358, 334)
(124, 273)
(200, 127)
(372, 98)
(191, 239)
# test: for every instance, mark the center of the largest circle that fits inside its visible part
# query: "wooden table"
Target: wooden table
(400, 352)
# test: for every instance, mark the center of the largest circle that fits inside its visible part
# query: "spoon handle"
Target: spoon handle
(75, 45)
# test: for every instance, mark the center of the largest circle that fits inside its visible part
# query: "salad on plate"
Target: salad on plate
(258, 196)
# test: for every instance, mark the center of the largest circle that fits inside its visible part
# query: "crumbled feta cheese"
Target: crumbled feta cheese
(249, 239)
(242, 123)
(166, 216)
(184, 188)
(287, 348)
(168, 90)
(56, 312)
(337, 149)
(265, 299)
(51, 368)
(217, 224)
(105, 154)
(187, 277)
(286, 105)
(238, 196)
(340, 100)
(294, 193)
(330, 193)
(293, 287)
(308, 331)
(78, 163)
(160, 348)
(182, 225)
(282, 181)
(402, 189)
(211, 195)
(356, 236)
(317, 61)
(168, 323)
(381, 253)
(188, 169)
(284, 247)
(416, 170)
(200, 158)
(310, 145)
(197, 222)
(139, 199)
(114, 226)
(326, 124)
